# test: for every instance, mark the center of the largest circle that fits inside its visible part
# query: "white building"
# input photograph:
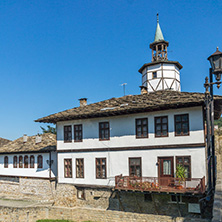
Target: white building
(99, 141)
(29, 157)
(136, 142)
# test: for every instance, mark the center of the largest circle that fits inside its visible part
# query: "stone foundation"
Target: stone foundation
(68, 195)
(32, 214)
(27, 188)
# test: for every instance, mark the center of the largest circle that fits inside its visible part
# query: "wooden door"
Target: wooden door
(166, 170)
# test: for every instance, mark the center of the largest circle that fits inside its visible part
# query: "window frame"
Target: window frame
(81, 167)
(136, 126)
(100, 131)
(161, 124)
(77, 130)
(177, 163)
(32, 157)
(20, 163)
(5, 161)
(67, 134)
(100, 159)
(153, 75)
(39, 163)
(15, 163)
(26, 161)
(69, 175)
(181, 134)
(135, 165)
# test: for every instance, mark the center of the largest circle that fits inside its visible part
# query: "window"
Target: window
(32, 161)
(78, 133)
(26, 162)
(161, 126)
(68, 168)
(154, 75)
(175, 198)
(20, 162)
(39, 161)
(15, 162)
(185, 161)
(79, 168)
(142, 128)
(6, 162)
(181, 125)
(67, 134)
(147, 197)
(104, 131)
(81, 193)
(135, 167)
(100, 168)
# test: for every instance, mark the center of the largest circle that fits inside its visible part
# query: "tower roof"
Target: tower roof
(158, 34)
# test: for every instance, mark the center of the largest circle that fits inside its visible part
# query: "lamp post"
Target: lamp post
(216, 69)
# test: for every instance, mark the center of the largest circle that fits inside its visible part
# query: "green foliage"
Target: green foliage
(218, 122)
(49, 129)
(181, 173)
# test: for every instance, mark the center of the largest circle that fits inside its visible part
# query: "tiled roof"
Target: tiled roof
(159, 100)
(48, 143)
(3, 141)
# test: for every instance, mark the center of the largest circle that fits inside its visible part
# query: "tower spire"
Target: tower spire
(158, 34)
(159, 46)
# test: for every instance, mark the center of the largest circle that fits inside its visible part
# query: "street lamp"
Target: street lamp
(216, 64)
(216, 69)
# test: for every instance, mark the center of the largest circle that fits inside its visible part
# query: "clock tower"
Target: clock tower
(161, 73)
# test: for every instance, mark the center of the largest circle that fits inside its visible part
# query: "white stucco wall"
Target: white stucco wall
(118, 163)
(29, 172)
(168, 76)
(122, 131)
(122, 134)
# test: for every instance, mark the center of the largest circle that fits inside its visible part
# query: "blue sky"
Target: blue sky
(53, 52)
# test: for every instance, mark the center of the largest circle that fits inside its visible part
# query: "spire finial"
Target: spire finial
(158, 34)
(217, 48)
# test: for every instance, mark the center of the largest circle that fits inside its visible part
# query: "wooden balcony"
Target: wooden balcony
(155, 184)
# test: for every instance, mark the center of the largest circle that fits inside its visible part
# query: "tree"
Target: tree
(49, 129)
(218, 122)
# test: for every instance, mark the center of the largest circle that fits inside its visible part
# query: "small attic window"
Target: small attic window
(154, 75)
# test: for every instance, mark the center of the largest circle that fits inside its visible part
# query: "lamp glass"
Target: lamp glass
(216, 64)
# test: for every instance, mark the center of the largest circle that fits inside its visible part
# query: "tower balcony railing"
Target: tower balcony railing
(155, 184)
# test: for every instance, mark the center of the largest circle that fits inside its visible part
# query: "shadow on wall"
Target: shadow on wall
(148, 203)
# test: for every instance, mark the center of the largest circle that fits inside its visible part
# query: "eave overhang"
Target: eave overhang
(179, 66)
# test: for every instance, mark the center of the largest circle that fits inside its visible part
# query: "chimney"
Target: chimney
(25, 138)
(83, 102)
(38, 139)
(143, 90)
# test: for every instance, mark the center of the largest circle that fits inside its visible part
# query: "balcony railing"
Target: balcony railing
(155, 184)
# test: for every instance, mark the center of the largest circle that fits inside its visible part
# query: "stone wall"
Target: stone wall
(218, 148)
(31, 214)
(217, 207)
(68, 195)
(27, 188)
